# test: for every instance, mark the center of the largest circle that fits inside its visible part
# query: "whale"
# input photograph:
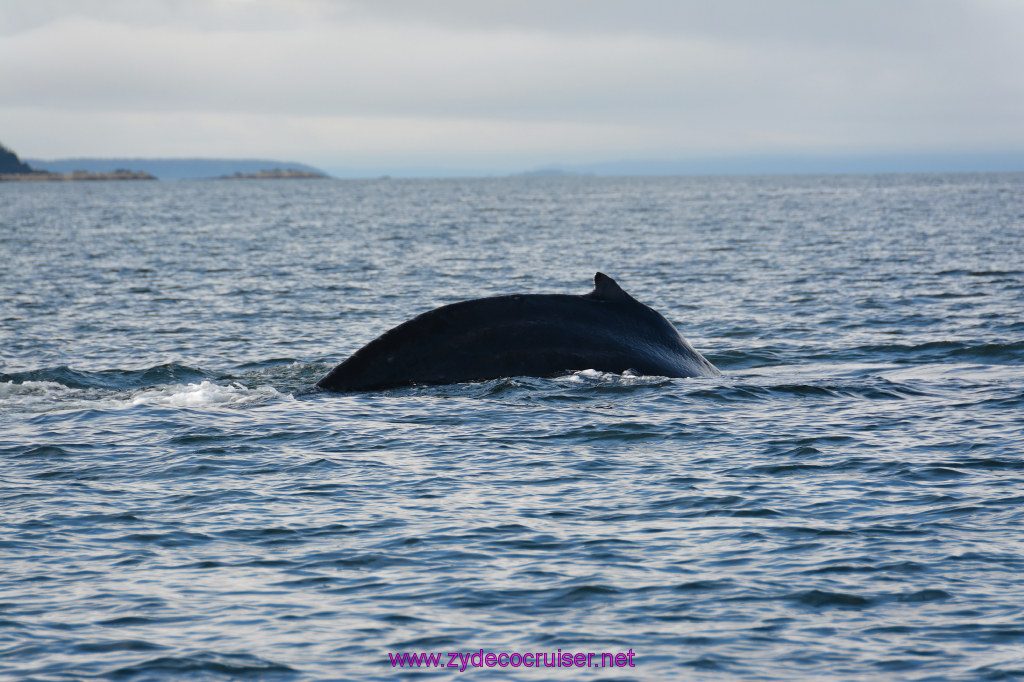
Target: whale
(530, 335)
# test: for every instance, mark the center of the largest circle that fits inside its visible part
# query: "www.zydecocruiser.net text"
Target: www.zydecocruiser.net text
(463, 660)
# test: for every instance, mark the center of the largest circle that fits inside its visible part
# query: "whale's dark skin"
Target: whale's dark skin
(537, 335)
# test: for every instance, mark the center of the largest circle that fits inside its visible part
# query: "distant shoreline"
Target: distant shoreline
(74, 176)
(122, 174)
(173, 169)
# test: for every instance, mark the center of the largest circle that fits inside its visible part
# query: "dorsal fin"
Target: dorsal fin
(606, 289)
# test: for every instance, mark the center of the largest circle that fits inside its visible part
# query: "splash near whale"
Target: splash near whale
(539, 335)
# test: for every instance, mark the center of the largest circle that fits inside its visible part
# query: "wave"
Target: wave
(204, 665)
(170, 385)
(871, 387)
(991, 353)
(756, 375)
(934, 352)
(113, 379)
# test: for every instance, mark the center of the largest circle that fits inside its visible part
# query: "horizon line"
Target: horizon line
(776, 164)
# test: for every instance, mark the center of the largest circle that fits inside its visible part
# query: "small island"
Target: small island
(275, 174)
(13, 169)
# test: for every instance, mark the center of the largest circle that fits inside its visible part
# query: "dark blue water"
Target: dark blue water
(844, 502)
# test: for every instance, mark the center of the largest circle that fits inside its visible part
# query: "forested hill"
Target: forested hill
(10, 163)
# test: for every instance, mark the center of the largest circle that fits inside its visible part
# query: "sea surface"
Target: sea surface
(177, 500)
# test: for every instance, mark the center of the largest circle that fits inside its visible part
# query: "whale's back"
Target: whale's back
(522, 335)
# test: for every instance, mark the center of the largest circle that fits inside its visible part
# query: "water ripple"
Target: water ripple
(844, 502)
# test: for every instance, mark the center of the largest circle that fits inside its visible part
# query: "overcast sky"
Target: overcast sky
(509, 85)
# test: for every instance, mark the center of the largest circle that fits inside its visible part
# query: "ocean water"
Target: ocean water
(844, 502)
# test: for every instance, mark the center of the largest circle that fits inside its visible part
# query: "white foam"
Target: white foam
(49, 396)
(592, 377)
(33, 396)
(204, 394)
(31, 388)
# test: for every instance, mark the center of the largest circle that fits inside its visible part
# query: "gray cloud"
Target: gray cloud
(613, 78)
